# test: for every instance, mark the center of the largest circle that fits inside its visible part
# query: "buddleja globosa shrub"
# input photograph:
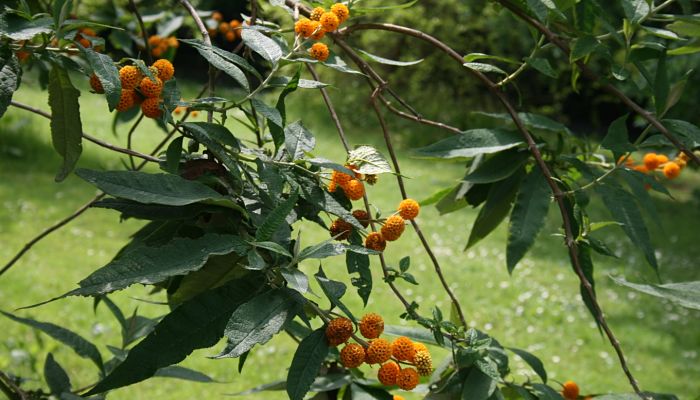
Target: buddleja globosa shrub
(218, 237)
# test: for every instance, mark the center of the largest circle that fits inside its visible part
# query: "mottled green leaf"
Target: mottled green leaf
(306, 363)
(471, 143)
(66, 127)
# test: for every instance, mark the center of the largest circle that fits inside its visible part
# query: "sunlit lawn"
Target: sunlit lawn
(538, 308)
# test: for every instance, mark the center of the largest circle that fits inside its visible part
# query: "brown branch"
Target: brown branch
(418, 119)
(87, 137)
(11, 390)
(144, 33)
(207, 40)
(559, 195)
(590, 74)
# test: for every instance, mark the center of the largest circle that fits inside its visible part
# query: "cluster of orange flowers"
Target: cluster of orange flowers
(230, 30)
(652, 162)
(160, 45)
(381, 351)
(318, 24)
(138, 89)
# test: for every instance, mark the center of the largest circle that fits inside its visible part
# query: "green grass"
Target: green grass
(538, 308)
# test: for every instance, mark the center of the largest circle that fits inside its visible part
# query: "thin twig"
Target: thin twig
(404, 195)
(87, 137)
(331, 109)
(418, 119)
(552, 182)
(631, 104)
(144, 32)
(12, 391)
(207, 40)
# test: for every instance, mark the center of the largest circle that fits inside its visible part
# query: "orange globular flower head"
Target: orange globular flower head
(371, 325)
(375, 241)
(316, 13)
(165, 68)
(379, 351)
(126, 100)
(403, 349)
(352, 355)
(362, 217)
(304, 27)
(672, 170)
(151, 88)
(355, 189)
(319, 51)
(651, 161)
(151, 107)
(388, 373)
(95, 84)
(338, 331)
(407, 379)
(329, 21)
(409, 209)
(570, 390)
(130, 77)
(341, 11)
(340, 229)
(393, 228)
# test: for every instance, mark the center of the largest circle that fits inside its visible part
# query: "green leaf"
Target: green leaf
(635, 10)
(269, 49)
(218, 140)
(82, 347)
(275, 219)
(198, 323)
(296, 279)
(662, 33)
(166, 189)
(150, 265)
(334, 290)
(481, 67)
(10, 77)
(186, 374)
(220, 61)
(623, 209)
(533, 121)
(617, 139)
(545, 392)
(273, 247)
(306, 364)
(154, 212)
(106, 71)
(368, 160)
(471, 143)
(386, 61)
(359, 263)
(298, 140)
(337, 63)
(256, 321)
(583, 46)
(661, 85)
(66, 128)
(688, 133)
(56, 377)
(528, 216)
(218, 271)
(531, 360)
(477, 386)
(381, 9)
(271, 113)
(542, 65)
(18, 28)
(277, 132)
(417, 334)
(498, 167)
(541, 8)
(500, 197)
(685, 294)
(481, 56)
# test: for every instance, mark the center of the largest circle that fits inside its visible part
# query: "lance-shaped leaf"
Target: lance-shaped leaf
(528, 216)
(82, 347)
(275, 219)
(623, 209)
(154, 212)
(218, 140)
(472, 143)
(106, 71)
(151, 265)
(387, 61)
(685, 294)
(298, 140)
(306, 364)
(500, 197)
(263, 45)
(66, 127)
(196, 324)
(166, 189)
(56, 377)
(186, 374)
(10, 75)
(256, 321)
(220, 61)
(534, 362)
(334, 290)
(477, 386)
(617, 139)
